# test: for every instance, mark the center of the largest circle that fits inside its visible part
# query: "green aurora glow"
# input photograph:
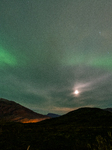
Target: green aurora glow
(7, 58)
(98, 61)
(48, 48)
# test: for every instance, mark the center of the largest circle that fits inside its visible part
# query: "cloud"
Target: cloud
(55, 88)
(52, 48)
(91, 84)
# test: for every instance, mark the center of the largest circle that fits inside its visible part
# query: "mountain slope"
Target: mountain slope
(81, 129)
(84, 117)
(108, 109)
(12, 111)
(52, 115)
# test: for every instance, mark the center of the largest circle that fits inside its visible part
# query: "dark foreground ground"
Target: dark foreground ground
(83, 129)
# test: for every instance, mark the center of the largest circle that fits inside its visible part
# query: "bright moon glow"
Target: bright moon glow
(76, 92)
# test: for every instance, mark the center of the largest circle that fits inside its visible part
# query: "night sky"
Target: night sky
(50, 48)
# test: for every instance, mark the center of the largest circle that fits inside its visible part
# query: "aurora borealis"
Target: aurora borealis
(6, 58)
(49, 49)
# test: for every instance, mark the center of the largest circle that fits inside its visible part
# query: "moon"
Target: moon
(76, 92)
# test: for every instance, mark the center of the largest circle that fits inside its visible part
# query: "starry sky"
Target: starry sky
(50, 48)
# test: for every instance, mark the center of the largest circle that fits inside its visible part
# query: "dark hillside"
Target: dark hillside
(84, 117)
(82, 129)
(108, 109)
(12, 111)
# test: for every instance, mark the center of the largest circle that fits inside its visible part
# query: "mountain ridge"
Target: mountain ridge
(81, 129)
(84, 116)
(12, 111)
(52, 115)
